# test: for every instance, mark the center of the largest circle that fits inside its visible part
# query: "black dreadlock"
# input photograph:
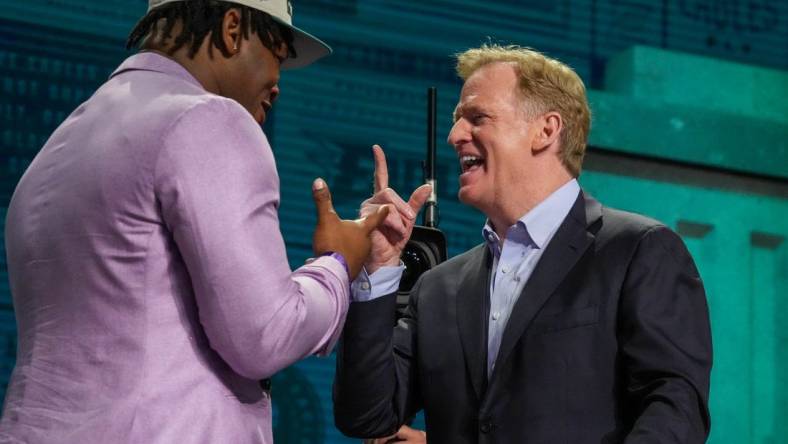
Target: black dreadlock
(200, 17)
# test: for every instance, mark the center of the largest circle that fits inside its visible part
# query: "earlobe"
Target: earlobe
(232, 30)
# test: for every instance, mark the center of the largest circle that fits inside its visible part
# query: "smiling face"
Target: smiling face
(252, 77)
(493, 136)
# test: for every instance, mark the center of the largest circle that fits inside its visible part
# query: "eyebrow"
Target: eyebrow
(469, 108)
(456, 114)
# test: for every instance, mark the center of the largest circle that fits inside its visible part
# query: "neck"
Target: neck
(515, 206)
(202, 67)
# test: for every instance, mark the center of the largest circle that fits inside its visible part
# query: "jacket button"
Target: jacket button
(485, 426)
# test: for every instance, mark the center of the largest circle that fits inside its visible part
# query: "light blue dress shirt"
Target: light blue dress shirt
(514, 260)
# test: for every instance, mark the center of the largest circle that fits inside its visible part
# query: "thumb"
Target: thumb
(419, 196)
(376, 219)
(322, 197)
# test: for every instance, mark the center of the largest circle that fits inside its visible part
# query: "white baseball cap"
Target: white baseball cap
(308, 47)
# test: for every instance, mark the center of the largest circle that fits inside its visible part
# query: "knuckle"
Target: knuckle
(392, 196)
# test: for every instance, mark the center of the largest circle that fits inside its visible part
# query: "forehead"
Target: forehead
(495, 83)
(492, 89)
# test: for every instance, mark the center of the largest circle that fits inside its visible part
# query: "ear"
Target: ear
(549, 127)
(232, 34)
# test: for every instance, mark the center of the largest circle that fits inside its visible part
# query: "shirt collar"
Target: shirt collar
(151, 61)
(537, 226)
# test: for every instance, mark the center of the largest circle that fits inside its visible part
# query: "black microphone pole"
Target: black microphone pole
(427, 245)
(430, 218)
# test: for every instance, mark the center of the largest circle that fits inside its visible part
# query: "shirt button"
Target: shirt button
(495, 316)
(504, 270)
(485, 427)
(365, 286)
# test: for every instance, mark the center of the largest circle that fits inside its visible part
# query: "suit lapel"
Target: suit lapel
(567, 246)
(472, 296)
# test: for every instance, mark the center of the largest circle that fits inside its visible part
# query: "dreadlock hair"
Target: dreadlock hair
(201, 17)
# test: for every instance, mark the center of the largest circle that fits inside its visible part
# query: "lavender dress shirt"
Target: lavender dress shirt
(149, 276)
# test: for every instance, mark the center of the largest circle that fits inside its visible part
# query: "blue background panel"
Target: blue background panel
(690, 127)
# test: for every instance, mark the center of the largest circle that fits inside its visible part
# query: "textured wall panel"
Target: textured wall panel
(54, 53)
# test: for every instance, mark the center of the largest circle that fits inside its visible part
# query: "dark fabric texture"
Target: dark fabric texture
(609, 342)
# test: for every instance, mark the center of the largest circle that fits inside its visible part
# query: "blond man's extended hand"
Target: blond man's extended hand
(390, 238)
(405, 435)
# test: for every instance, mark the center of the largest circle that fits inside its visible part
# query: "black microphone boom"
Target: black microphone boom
(431, 206)
(427, 245)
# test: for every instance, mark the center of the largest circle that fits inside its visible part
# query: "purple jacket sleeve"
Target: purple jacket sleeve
(218, 189)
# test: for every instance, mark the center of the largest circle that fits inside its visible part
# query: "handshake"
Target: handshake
(377, 238)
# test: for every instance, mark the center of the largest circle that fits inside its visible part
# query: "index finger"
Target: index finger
(381, 169)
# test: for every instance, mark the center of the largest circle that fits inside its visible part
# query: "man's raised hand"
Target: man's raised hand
(390, 238)
(350, 238)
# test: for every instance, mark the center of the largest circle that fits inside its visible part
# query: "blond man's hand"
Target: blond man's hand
(404, 435)
(390, 237)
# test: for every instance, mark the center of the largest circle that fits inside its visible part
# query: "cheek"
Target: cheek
(249, 73)
(508, 162)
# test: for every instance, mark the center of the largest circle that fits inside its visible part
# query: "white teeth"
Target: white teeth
(472, 159)
(467, 162)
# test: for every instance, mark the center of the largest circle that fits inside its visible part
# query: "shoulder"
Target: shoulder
(625, 223)
(152, 102)
(156, 103)
(623, 228)
(212, 138)
(211, 123)
(639, 235)
(211, 115)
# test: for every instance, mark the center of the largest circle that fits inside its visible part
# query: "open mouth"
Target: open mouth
(470, 163)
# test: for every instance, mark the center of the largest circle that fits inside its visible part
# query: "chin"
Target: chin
(259, 116)
(468, 197)
(478, 199)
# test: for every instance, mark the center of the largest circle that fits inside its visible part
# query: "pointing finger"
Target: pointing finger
(381, 169)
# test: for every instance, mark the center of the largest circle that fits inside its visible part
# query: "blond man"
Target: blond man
(572, 322)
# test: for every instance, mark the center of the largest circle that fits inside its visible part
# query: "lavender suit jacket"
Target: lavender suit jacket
(148, 273)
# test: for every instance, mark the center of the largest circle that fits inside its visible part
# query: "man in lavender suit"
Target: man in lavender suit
(150, 279)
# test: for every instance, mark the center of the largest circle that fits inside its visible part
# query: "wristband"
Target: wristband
(340, 258)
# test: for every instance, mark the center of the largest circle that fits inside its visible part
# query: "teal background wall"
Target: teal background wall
(690, 127)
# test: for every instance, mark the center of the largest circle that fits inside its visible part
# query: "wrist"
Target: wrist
(372, 267)
(340, 258)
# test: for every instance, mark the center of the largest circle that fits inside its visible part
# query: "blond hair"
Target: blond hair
(549, 85)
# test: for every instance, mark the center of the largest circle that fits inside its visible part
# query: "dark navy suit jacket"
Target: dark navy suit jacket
(609, 342)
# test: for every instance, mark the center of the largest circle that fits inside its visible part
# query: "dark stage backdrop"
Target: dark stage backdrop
(690, 127)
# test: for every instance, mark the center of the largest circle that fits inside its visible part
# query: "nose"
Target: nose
(274, 93)
(459, 133)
